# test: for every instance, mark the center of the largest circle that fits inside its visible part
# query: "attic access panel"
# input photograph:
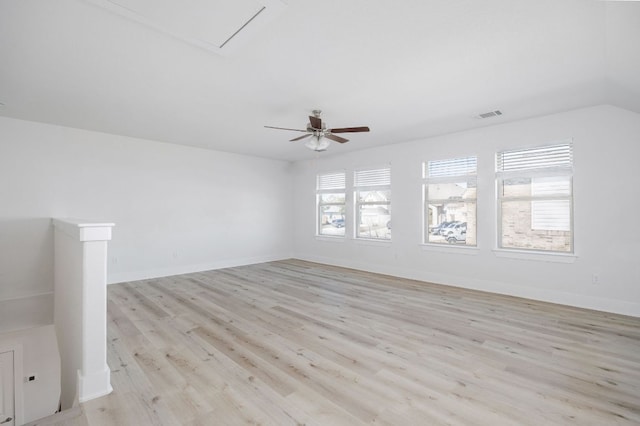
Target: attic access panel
(215, 25)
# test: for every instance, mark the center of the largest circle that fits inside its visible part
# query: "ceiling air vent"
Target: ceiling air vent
(489, 114)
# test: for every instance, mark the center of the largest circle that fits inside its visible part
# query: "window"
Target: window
(450, 192)
(330, 198)
(535, 198)
(373, 203)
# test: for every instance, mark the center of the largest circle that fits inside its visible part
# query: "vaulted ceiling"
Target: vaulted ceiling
(407, 69)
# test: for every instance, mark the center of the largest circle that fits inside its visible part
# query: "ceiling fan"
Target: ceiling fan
(319, 134)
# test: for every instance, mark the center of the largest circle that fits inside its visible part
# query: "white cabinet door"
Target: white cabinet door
(7, 384)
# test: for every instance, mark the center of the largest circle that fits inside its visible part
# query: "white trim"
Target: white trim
(27, 296)
(538, 256)
(535, 172)
(622, 307)
(450, 248)
(95, 385)
(319, 204)
(120, 277)
(357, 204)
(372, 242)
(470, 179)
(84, 230)
(331, 238)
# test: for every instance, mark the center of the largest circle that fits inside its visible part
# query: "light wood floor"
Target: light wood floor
(292, 342)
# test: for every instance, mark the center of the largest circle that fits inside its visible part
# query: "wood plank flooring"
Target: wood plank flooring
(298, 343)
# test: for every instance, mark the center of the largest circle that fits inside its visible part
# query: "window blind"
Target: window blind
(374, 177)
(329, 181)
(551, 156)
(452, 167)
(550, 186)
(551, 215)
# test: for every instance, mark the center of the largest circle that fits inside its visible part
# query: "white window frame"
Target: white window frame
(370, 179)
(451, 170)
(330, 183)
(558, 162)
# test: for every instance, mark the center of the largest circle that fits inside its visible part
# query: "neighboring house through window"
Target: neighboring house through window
(373, 203)
(330, 201)
(535, 198)
(450, 191)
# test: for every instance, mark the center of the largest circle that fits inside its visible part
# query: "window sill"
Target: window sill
(455, 249)
(328, 238)
(535, 255)
(372, 242)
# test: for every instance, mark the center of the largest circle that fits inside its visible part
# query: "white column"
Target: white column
(80, 312)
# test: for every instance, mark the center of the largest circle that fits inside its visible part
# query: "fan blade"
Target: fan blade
(300, 137)
(316, 122)
(350, 129)
(284, 128)
(336, 138)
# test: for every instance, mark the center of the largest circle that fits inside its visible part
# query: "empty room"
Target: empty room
(285, 212)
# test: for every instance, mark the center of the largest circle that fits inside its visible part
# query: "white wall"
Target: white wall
(176, 209)
(606, 205)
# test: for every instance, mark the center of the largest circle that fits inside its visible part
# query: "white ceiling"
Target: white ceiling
(407, 69)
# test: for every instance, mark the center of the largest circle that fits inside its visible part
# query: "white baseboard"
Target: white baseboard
(94, 385)
(187, 269)
(563, 298)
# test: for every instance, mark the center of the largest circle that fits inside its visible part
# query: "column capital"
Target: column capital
(84, 230)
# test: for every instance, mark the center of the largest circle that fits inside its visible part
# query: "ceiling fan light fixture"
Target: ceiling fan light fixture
(317, 136)
(317, 143)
